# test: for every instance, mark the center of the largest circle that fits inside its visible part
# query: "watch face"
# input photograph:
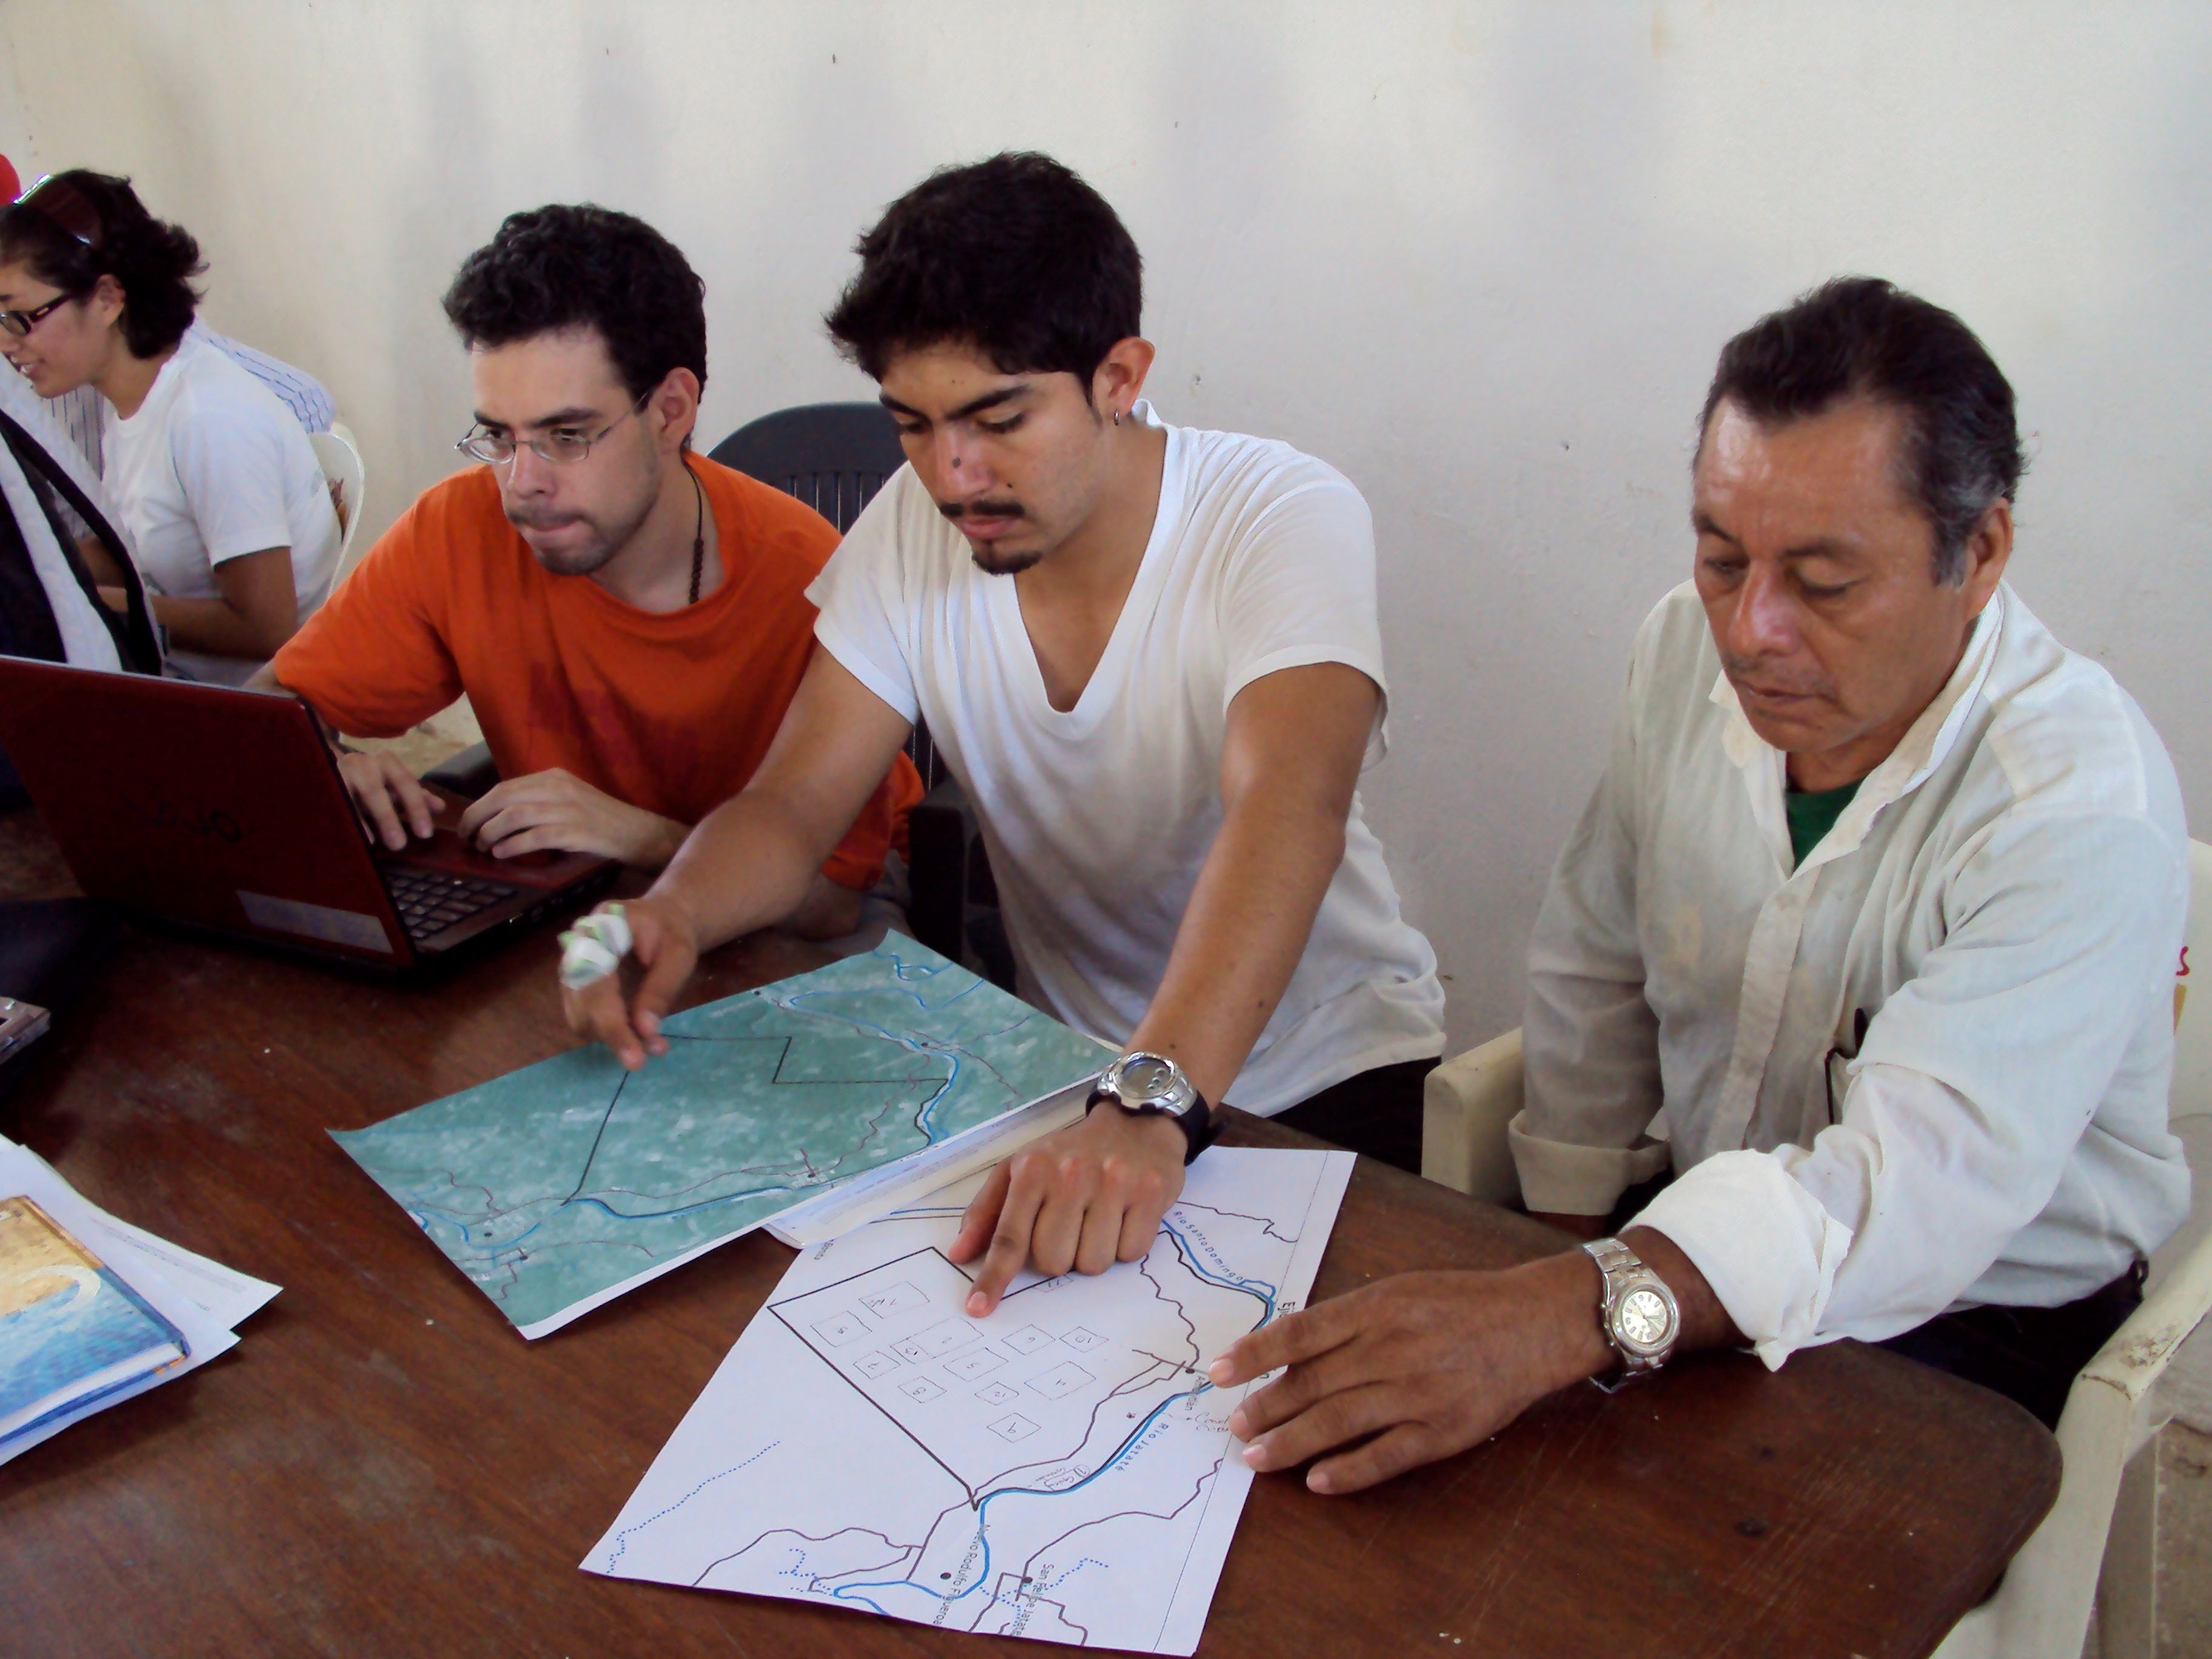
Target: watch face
(1644, 1319)
(1146, 1079)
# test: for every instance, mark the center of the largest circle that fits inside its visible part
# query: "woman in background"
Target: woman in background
(235, 531)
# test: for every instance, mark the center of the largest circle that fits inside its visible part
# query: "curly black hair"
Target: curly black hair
(563, 266)
(1015, 256)
(153, 262)
(1859, 337)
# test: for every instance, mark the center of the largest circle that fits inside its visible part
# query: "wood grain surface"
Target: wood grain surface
(383, 1467)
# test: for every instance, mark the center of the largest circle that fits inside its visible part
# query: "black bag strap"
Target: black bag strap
(136, 647)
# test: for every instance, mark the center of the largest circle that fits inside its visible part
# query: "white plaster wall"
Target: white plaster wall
(1480, 256)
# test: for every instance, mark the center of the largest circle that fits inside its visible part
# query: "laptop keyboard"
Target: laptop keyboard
(430, 902)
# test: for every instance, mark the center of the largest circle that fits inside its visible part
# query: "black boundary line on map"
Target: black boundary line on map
(777, 1078)
(604, 1118)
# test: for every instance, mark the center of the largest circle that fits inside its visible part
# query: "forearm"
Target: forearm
(214, 626)
(105, 569)
(750, 863)
(1242, 936)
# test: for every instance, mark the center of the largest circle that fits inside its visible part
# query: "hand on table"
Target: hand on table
(664, 942)
(390, 799)
(1427, 1363)
(557, 811)
(1084, 1197)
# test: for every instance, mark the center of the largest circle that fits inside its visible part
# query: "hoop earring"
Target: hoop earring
(1117, 417)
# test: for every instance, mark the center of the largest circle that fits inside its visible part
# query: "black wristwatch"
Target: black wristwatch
(1153, 1085)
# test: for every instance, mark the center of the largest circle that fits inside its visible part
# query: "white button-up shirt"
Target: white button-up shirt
(1925, 1068)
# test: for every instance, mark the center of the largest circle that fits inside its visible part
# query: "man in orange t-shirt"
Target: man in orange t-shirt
(628, 619)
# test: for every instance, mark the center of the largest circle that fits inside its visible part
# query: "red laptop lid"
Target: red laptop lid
(208, 804)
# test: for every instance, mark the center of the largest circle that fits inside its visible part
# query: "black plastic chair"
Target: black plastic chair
(835, 457)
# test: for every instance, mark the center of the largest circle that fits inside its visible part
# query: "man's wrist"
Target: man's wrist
(1155, 1132)
(1575, 1288)
(657, 846)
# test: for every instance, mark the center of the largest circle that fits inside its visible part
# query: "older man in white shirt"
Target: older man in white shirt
(1876, 911)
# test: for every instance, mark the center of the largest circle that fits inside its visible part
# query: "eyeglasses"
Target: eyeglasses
(562, 448)
(62, 204)
(20, 323)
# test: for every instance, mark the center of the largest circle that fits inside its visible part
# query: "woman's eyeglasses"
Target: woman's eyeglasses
(20, 323)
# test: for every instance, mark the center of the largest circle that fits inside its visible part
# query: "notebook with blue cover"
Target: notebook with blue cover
(71, 1329)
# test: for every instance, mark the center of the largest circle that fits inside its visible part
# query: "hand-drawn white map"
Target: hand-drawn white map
(1061, 1470)
(560, 1186)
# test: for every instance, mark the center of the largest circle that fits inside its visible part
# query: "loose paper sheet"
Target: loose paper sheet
(1061, 1470)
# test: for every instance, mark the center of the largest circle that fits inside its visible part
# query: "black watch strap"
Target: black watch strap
(1200, 1126)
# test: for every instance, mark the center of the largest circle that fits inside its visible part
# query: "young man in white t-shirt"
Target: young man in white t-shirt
(1150, 655)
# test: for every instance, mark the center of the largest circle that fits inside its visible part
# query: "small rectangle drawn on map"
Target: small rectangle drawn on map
(873, 1365)
(1016, 1427)
(902, 1297)
(1062, 1381)
(1028, 1339)
(1081, 1340)
(996, 1394)
(946, 1336)
(838, 1329)
(920, 1390)
(969, 1366)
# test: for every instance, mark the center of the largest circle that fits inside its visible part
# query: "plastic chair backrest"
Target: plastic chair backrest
(339, 457)
(2041, 1611)
(834, 456)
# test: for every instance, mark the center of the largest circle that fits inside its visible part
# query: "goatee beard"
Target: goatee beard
(1003, 564)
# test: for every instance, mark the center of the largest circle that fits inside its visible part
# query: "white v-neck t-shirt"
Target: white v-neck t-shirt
(1097, 820)
(212, 467)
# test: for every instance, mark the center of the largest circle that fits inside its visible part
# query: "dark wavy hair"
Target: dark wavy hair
(1016, 256)
(153, 262)
(563, 266)
(1859, 337)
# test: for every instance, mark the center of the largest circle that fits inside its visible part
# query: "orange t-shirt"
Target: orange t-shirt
(671, 713)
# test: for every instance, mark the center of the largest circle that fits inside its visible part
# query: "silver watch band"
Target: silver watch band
(1623, 1274)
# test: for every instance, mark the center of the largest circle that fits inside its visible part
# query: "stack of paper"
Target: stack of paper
(94, 1310)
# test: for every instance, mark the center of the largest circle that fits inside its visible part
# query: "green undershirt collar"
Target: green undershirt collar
(1812, 815)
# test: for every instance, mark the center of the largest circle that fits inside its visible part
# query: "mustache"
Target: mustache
(956, 511)
(1766, 676)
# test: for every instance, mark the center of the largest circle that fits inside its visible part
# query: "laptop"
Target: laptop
(223, 809)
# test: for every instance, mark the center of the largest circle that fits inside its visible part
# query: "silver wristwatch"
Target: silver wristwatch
(1153, 1085)
(1636, 1310)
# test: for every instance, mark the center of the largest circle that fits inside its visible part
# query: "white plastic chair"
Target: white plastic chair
(339, 457)
(2096, 1547)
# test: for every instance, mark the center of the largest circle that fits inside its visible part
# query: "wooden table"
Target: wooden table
(383, 1467)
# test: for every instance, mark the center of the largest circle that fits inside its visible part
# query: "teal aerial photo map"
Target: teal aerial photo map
(556, 1186)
